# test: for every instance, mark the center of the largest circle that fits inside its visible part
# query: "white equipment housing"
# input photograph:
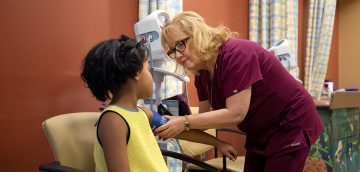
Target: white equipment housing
(283, 53)
(148, 30)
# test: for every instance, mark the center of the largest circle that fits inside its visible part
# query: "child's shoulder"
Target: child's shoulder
(147, 111)
(110, 118)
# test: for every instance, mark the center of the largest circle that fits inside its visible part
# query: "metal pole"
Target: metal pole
(151, 70)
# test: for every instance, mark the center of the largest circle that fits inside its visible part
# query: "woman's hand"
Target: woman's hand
(172, 128)
(228, 150)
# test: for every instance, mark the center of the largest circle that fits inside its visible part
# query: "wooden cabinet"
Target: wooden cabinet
(337, 148)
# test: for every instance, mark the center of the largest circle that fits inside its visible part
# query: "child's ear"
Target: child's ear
(137, 77)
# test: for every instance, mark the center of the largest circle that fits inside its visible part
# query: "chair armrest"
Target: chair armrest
(56, 167)
(231, 130)
(190, 160)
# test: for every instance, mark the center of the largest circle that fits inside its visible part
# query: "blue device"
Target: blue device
(157, 121)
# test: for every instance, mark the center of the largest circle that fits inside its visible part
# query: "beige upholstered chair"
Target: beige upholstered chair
(197, 149)
(72, 137)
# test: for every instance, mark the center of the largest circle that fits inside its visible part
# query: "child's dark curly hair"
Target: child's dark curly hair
(111, 63)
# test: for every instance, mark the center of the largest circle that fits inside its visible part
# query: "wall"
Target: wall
(349, 41)
(41, 48)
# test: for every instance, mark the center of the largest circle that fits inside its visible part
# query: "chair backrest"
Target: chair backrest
(72, 137)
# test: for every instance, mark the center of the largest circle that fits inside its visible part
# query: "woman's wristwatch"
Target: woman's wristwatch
(187, 124)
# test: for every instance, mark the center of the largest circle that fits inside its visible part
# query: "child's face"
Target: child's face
(145, 82)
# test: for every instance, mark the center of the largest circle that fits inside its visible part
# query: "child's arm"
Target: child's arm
(202, 137)
(112, 134)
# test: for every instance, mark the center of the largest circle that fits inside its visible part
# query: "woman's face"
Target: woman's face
(184, 58)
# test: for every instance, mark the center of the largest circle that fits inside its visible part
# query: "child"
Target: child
(125, 141)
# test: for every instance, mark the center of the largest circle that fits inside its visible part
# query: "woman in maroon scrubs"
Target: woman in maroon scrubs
(246, 86)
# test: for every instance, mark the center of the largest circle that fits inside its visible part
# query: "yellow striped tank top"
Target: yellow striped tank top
(143, 152)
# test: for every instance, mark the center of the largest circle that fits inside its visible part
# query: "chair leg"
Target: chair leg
(224, 163)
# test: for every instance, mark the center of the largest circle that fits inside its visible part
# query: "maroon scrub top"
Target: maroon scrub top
(282, 115)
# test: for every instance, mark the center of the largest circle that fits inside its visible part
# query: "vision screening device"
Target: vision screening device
(148, 30)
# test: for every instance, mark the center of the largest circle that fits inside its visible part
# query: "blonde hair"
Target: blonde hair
(205, 40)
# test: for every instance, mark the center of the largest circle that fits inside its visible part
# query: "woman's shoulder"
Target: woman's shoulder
(240, 46)
(236, 41)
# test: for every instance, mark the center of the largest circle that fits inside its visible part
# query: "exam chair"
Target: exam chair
(72, 137)
(222, 163)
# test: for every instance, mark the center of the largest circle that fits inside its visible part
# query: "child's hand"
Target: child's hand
(228, 150)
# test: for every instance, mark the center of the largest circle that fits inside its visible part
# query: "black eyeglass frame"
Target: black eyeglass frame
(173, 50)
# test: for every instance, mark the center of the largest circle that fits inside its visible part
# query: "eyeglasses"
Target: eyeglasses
(180, 47)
